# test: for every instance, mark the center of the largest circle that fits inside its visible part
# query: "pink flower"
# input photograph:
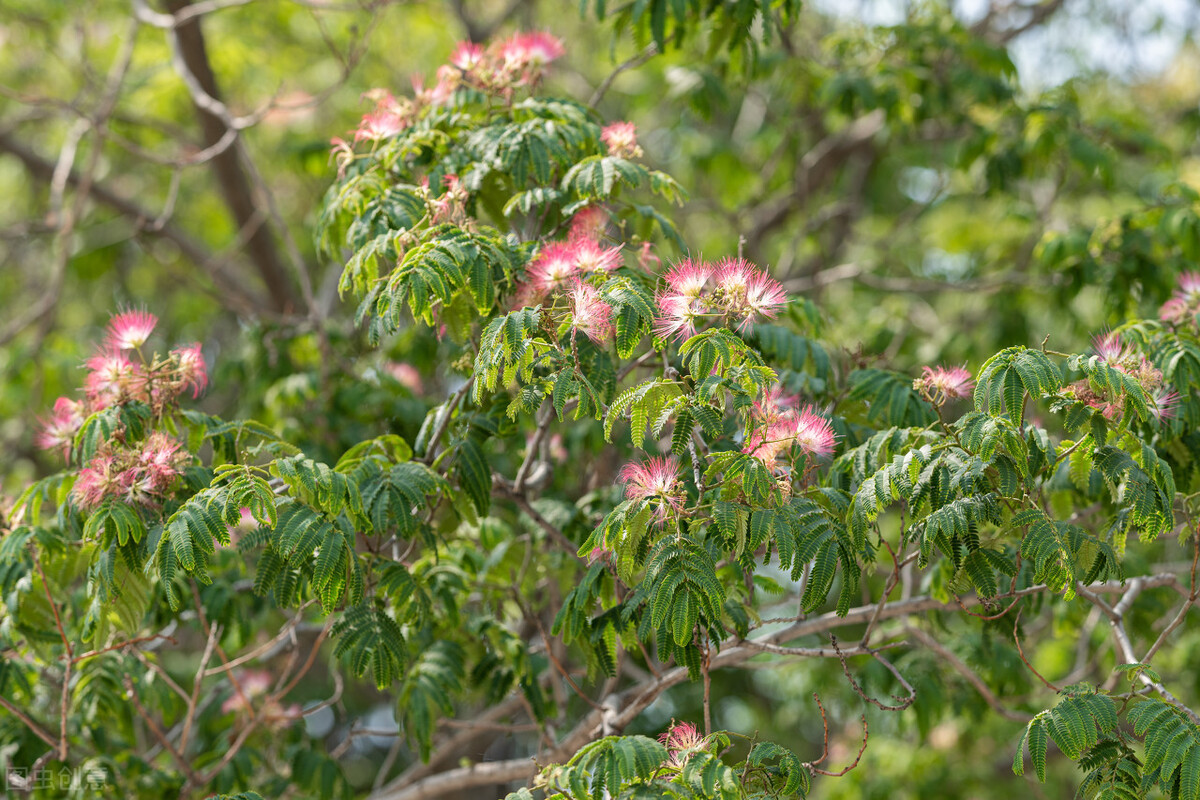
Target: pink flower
(1174, 310)
(808, 430)
(681, 304)
(554, 267)
(688, 277)
(449, 79)
(940, 384)
(677, 316)
(590, 223)
(251, 684)
(525, 50)
(765, 297)
(96, 481)
(1164, 403)
(451, 204)
(655, 478)
(112, 377)
(814, 433)
(160, 460)
(129, 330)
(192, 371)
(598, 554)
(406, 375)
(1108, 346)
(1189, 285)
(342, 153)
(60, 429)
(591, 257)
(743, 290)
(389, 117)
(1185, 303)
(466, 55)
(589, 314)
(621, 140)
(774, 405)
(245, 524)
(681, 740)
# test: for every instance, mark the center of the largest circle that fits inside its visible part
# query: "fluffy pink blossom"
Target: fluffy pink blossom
(342, 153)
(1110, 349)
(160, 460)
(774, 405)
(1189, 285)
(111, 376)
(598, 554)
(765, 297)
(389, 117)
(590, 315)
(245, 524)
(1184, 305)
(129, 330)
(466, 55)
(58, 431)
(1174, 310)
(591, 257)
(688, 278)
(531, 50)
(814, 433)
(940, 384)
(98, 480)
(681, 740)
(767, 443)
(1165, 403)
(590, 223)
(744, 291)
(193, 374)
(554, 268)
(682, 304)
(678, 316)
(621, 140)
(451, 204)
(406, 375)
(655, 478)
(805, 429)
(448, 82)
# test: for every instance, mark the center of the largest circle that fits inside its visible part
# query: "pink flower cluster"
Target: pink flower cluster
(731, 293)
(115, 377)
(681, 740)
(1125, 358)
(564, 269)
(1184, 305)
(780, 425)
(621, 140)
(451, 204)
(939, 385)
(656, 479)
(500, 69)
(140, 474)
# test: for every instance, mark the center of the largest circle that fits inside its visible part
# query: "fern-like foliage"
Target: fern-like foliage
(427, 691)
(1063, 554)
(605, 768)
(1172, 748)
(1007, 378)
(1077, 724)
(368, 638)
(684, 590)
(889, 398)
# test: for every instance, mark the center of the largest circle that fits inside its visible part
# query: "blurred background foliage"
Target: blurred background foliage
(941, 181)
